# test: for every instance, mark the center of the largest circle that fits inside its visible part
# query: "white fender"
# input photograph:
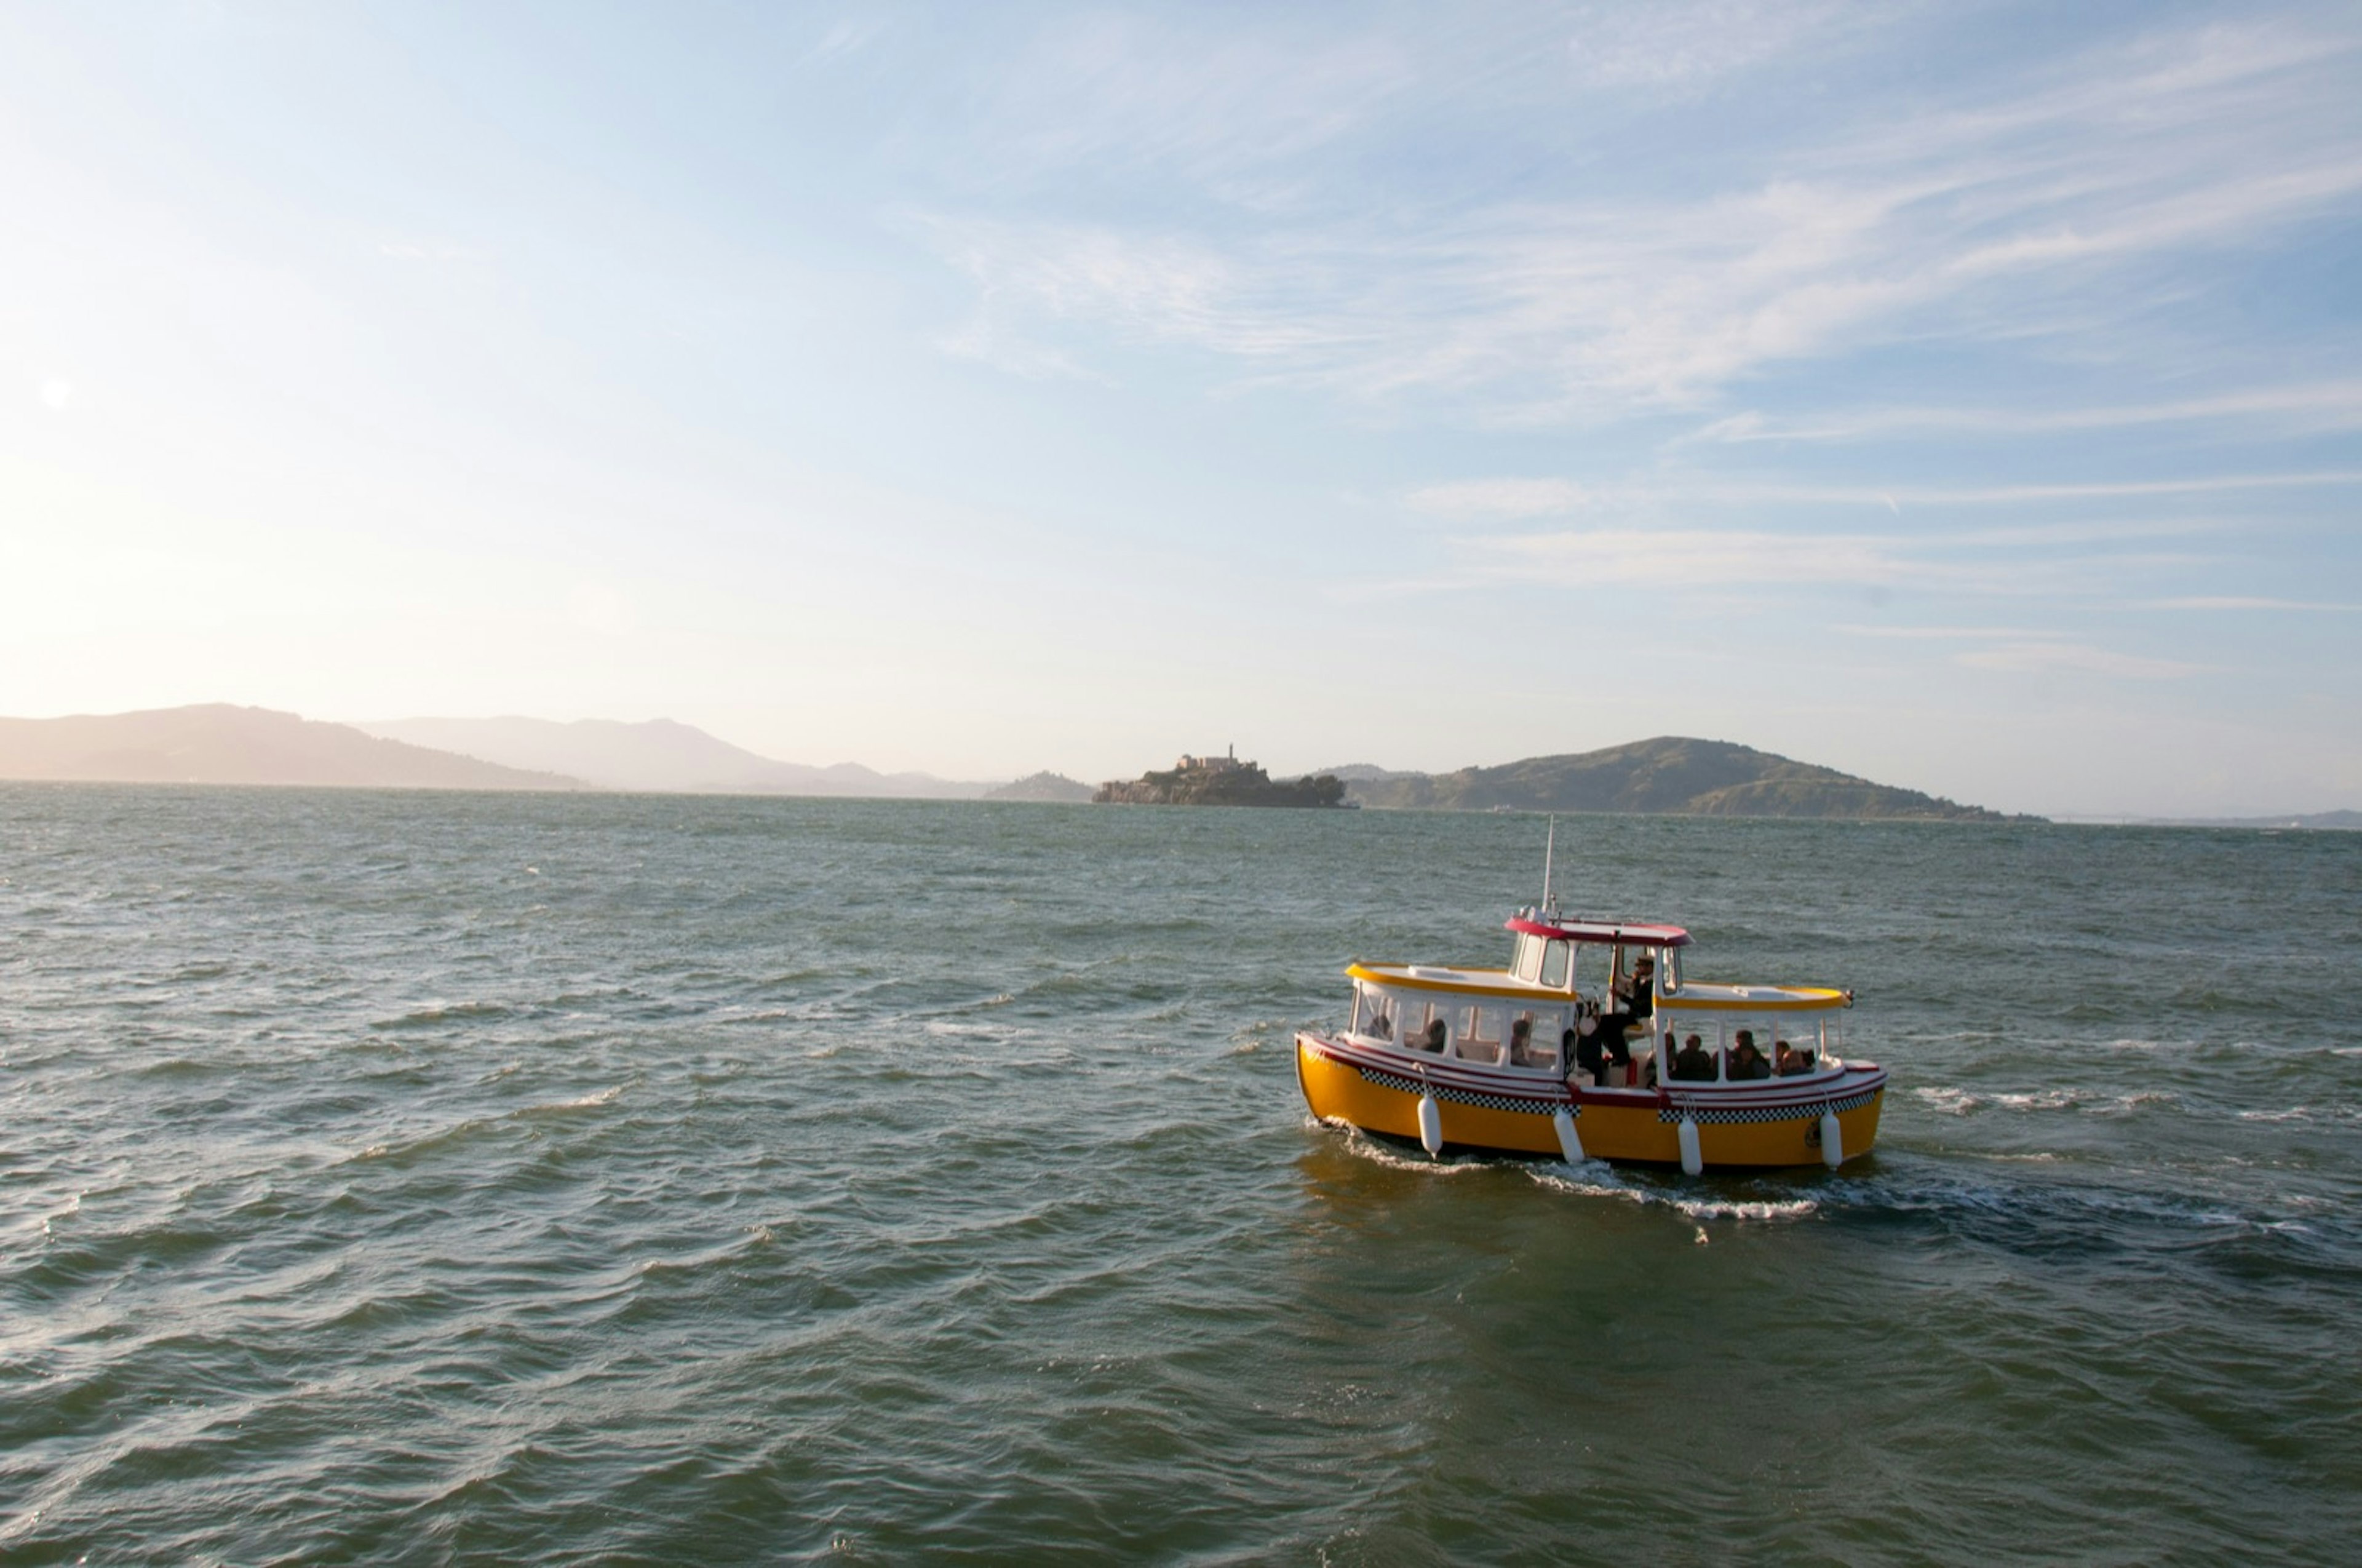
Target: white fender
(1570, 1142)
(1832, 1141)
(1692, 1160)
(1430, 1124)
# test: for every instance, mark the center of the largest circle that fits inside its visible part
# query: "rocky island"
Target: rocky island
(1220, 781)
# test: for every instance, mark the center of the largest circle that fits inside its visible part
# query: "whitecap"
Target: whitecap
(586, 1103)
(1573, 1180)
(1370, 1149)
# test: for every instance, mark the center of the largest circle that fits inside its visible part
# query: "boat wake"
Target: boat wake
(1593, 1179)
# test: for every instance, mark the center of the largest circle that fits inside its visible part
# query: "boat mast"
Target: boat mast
(1550, 847)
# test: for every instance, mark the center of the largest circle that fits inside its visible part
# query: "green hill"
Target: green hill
(1042, 786)
(1671, 775)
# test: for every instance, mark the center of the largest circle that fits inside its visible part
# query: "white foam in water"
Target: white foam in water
(1952, 1101)
(585, 1102)
(1593, 1178)
(1370, 1149)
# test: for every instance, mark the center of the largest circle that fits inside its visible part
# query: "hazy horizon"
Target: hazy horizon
(1961, 398)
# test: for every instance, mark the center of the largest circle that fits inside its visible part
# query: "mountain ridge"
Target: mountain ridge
(1667, 775)
(222, 742)
(1042, 786)
(662, 755)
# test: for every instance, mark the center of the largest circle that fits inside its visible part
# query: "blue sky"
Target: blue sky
(1964, 396)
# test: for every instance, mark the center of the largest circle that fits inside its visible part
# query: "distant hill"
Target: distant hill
(1670, 775)
(217, 743)
(1041, 786)
(657, 755)
(1366, 773)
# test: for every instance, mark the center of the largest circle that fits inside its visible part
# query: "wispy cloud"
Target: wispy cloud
(1658, 44)
(1939, 634)
(2028, 650)
(1687, 557)
(1533, 497)
(2308, 409)
(2250, 603)
(2047, 658)
(1955, 221)
(1500, 498)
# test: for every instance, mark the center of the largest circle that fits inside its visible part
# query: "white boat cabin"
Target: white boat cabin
(1602, 1001)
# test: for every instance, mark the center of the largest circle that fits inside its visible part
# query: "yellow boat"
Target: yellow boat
(1592, 1043)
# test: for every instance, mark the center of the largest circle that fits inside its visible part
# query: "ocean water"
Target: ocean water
(434, 1177)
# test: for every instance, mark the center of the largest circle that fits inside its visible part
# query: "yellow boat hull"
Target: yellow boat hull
(1760, 1125)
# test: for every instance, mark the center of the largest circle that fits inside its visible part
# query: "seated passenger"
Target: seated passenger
(1787, 1062)
(1745, 1061)
(1437, 1036)
(1381, 1026)
(1693, 1064)
(1649, 1067)
(1521, 1043)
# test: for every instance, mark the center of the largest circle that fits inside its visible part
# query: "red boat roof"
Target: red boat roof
(1626, 934)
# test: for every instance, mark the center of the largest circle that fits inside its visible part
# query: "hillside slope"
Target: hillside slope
(1671, 775)
(1042, 786)
(217, 742)
(656, 754)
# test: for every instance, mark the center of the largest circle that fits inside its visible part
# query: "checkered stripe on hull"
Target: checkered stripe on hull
(1707, 1117)
(1385, 1079)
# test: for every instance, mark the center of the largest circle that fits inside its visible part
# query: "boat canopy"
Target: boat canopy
(1753, 998)
(1530, 922)
(1437, 977)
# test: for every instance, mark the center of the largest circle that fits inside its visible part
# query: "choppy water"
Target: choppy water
(542, 1179)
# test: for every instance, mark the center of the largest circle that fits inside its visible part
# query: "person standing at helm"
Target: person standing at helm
(1636, 994)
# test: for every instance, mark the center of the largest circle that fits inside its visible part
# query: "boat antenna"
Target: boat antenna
(1549, 848)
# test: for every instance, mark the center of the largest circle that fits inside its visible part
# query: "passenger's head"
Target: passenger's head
(1747, 1040)
(1521, 1027)
(1436, 1032)
(1691, 1043)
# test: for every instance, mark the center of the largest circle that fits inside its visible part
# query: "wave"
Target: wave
(458, 1012)
(1379, 1153)
(1953, 1101)
(1580, 1180)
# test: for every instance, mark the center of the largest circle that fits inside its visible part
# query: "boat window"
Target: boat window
(1529, 955)
(1545, 1027)
(1553, 969)
(1761, 1033)
(1373, 1013)
(1589, 968)
(1481, 1029)
(1708, 1031)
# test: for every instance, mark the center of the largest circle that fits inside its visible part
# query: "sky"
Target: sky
(1967, 395)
